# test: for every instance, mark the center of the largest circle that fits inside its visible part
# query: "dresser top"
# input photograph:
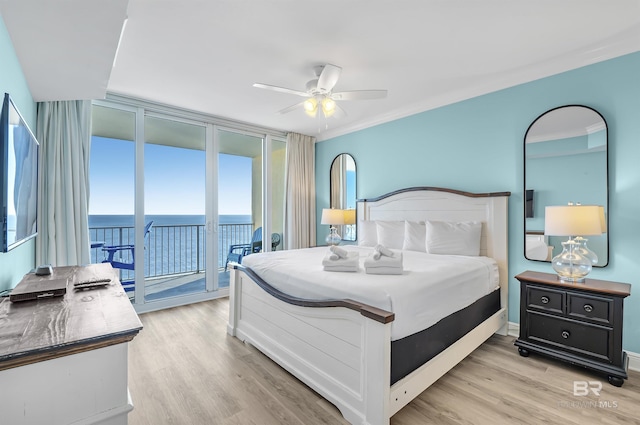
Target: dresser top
(32, 331)
(594, 285)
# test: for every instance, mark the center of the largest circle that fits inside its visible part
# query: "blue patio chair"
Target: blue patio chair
(110, 251)
(239, 251)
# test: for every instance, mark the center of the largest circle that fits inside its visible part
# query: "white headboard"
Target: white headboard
(433, 203)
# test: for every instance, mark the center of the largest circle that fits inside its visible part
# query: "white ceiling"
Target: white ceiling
(205, 55)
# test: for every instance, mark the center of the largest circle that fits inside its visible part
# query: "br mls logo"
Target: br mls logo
(582, 388)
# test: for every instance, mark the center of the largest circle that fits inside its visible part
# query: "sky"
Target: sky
(174, 180)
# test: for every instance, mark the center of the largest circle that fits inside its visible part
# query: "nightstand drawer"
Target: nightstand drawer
(570, 335)
(597, 309)
(545, 299)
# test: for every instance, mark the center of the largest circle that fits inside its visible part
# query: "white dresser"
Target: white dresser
(63, 360)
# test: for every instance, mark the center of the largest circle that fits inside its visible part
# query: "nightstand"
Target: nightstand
(580, 323)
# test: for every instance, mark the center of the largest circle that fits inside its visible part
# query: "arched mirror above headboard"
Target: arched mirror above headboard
(565, 160)
(342, 187)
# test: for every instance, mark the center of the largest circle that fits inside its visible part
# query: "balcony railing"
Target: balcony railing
(170, 249)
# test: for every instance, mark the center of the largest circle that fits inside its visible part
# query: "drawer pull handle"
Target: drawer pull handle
(544, 300)
(588, 308)
(565, 334)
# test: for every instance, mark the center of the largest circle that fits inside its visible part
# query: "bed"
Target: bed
(352, 350)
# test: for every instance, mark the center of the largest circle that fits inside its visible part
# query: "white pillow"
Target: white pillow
(391, 233)
(449, 238)
(415, 236)
(367, 233)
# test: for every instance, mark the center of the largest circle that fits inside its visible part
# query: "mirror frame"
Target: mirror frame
(524, 154)
(355, 193)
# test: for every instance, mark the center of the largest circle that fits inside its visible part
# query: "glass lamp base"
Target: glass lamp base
(585, 251)
(333, 238)
(571, 265)
(571, 279)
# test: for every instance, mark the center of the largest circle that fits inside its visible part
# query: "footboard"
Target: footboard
(341, 348)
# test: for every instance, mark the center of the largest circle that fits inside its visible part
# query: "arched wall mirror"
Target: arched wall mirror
(342, 186)
(565, 160)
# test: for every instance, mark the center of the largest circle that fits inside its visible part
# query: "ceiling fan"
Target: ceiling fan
(320, 95)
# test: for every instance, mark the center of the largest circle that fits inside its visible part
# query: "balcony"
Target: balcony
(174, 255)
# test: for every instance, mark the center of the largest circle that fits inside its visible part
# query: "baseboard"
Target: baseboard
(513, 329)
(634, 358)
(634, 361)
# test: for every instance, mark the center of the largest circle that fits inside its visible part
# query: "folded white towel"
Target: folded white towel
(383, 250)
(347, 268)
(336, 250)
(384, 260)
(352, 259)
(383, 270)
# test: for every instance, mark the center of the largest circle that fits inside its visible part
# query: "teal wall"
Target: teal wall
(17, 262)
(477, 145)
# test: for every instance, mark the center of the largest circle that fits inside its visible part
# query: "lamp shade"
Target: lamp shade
(328, 106)
(332, 216)
(310, 106)
(603, 220)
(573, 220)
(349, 216)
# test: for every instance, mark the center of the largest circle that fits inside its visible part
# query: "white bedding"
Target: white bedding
(430, 288)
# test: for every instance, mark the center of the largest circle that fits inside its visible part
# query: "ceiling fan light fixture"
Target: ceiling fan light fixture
(310, 106)
(328, 106)
(319, 93)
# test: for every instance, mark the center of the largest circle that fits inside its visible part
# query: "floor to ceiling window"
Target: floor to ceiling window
(174, 208)
(239, 197)
(277, 161)
(176, 190)
(112, 191)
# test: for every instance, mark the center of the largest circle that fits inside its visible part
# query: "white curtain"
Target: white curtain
(64, 133)
(300, 211)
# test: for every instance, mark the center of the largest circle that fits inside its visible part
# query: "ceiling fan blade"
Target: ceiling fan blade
(336, 112)
(359, 95)
(291, 108)
(328, 77)
(339, 112)
(281, 89)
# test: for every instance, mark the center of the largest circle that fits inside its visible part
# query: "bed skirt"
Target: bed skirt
(411, 352)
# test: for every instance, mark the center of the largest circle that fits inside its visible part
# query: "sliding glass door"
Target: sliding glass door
(174, 208)
(189, 191)
(112, 188)
(276, 205)
(239, 198)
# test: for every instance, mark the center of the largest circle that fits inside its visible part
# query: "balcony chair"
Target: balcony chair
(238, 251)
(110, 252)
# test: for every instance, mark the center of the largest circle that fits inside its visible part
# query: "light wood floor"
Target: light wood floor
(185, 369)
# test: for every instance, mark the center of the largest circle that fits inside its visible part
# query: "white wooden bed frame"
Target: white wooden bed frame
(342, 349)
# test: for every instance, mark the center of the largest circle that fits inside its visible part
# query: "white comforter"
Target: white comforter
(430, 288)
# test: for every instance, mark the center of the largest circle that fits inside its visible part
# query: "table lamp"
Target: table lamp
(332, 217)
(350, 216)
(349, 224)
(572, 264)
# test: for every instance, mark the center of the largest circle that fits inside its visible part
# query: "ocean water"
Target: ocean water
(175, 244)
